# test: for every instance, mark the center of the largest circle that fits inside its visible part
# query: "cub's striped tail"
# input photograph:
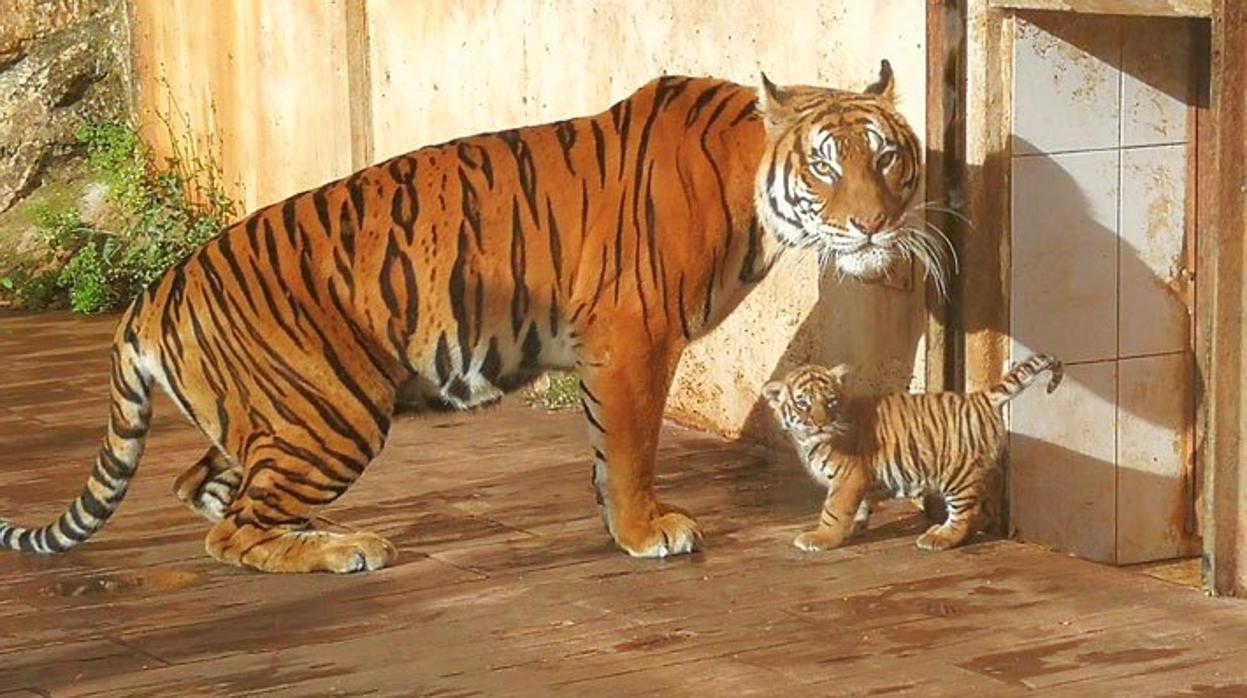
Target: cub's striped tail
(128, 421)
(1023, 375)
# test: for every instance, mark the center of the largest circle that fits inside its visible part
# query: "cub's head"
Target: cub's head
(809, 401)
(838, 176)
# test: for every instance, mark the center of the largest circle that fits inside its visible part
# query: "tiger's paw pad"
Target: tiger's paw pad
(937, 538)
(672, 533)
(816, 540)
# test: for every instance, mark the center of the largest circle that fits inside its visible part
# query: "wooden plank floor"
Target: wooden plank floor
(507, 585)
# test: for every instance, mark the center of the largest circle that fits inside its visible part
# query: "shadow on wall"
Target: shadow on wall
(1081, 483)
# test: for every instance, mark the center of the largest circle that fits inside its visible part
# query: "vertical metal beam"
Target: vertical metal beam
(944, 155)
(359, 82)
(983, 289)
(1223, 230)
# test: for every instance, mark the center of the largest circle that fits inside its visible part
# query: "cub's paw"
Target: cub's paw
(818, 539)
(938, 538)
(670, 533)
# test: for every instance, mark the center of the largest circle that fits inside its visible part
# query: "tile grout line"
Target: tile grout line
(1130, 357)
(1109, 149)
(1121, 128)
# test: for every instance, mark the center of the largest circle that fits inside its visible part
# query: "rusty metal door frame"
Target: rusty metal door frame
(969, 76)
(1222, 229)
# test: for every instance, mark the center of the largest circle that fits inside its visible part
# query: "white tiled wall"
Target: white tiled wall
(1153, 396)
(1152, 214)
(1097, 250)
(1069, 83)
(1057, 454)
(1154, 109)
(1064, 293)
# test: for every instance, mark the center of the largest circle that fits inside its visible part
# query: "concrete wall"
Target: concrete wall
(263, 85)
(436, 69)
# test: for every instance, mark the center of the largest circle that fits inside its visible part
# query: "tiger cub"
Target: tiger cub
(900, 445)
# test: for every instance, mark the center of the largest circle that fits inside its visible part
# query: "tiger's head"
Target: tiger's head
(838, 176)
(810, 401)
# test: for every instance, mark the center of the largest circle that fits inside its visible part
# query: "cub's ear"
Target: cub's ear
(885, 87)
(774, 102)
(774, 392)
(840, 371)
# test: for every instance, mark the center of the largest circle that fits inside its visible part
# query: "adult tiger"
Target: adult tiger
(443, 278)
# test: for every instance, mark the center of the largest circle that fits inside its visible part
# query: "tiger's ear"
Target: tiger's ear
(774, 392)
(885, 87)
(773, 102)
(840, 371)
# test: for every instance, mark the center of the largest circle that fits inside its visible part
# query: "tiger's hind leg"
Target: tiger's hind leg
(267, 527)
(210, 485)
(965, 509)
(861, 520)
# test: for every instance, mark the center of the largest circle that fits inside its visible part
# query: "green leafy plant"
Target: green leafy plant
(89, 278)
(31, 289)
(158, 214)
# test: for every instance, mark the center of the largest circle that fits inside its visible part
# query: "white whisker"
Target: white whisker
(948, 243)
(929, 206)
(929, 250)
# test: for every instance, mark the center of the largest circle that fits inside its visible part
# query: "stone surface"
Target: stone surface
(61, 63)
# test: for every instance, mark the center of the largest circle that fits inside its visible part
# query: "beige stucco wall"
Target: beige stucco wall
(444, 68)
(262, 85)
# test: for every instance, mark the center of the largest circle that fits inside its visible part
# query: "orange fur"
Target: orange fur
(446, 277)
(900, 445)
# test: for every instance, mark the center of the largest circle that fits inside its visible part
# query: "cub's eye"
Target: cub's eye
(885, 160)
(801, 401)
(822, 169)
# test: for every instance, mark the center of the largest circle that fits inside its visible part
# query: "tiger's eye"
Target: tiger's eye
(886, 160)
(821, 168)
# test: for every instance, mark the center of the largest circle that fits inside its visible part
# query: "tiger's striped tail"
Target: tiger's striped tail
(1022, 375)
(114, 467)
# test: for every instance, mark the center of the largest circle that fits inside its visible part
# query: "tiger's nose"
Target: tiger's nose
(869, 226)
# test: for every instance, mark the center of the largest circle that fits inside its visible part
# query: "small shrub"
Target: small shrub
(33, 290)
(88, 277)
(158, 215)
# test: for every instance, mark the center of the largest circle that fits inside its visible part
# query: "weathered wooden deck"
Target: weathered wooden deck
(507, 585)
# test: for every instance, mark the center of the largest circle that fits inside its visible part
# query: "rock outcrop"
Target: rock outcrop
(61, 62)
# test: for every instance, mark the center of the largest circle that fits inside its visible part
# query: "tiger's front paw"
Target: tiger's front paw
(818, 539)
(669, 532)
